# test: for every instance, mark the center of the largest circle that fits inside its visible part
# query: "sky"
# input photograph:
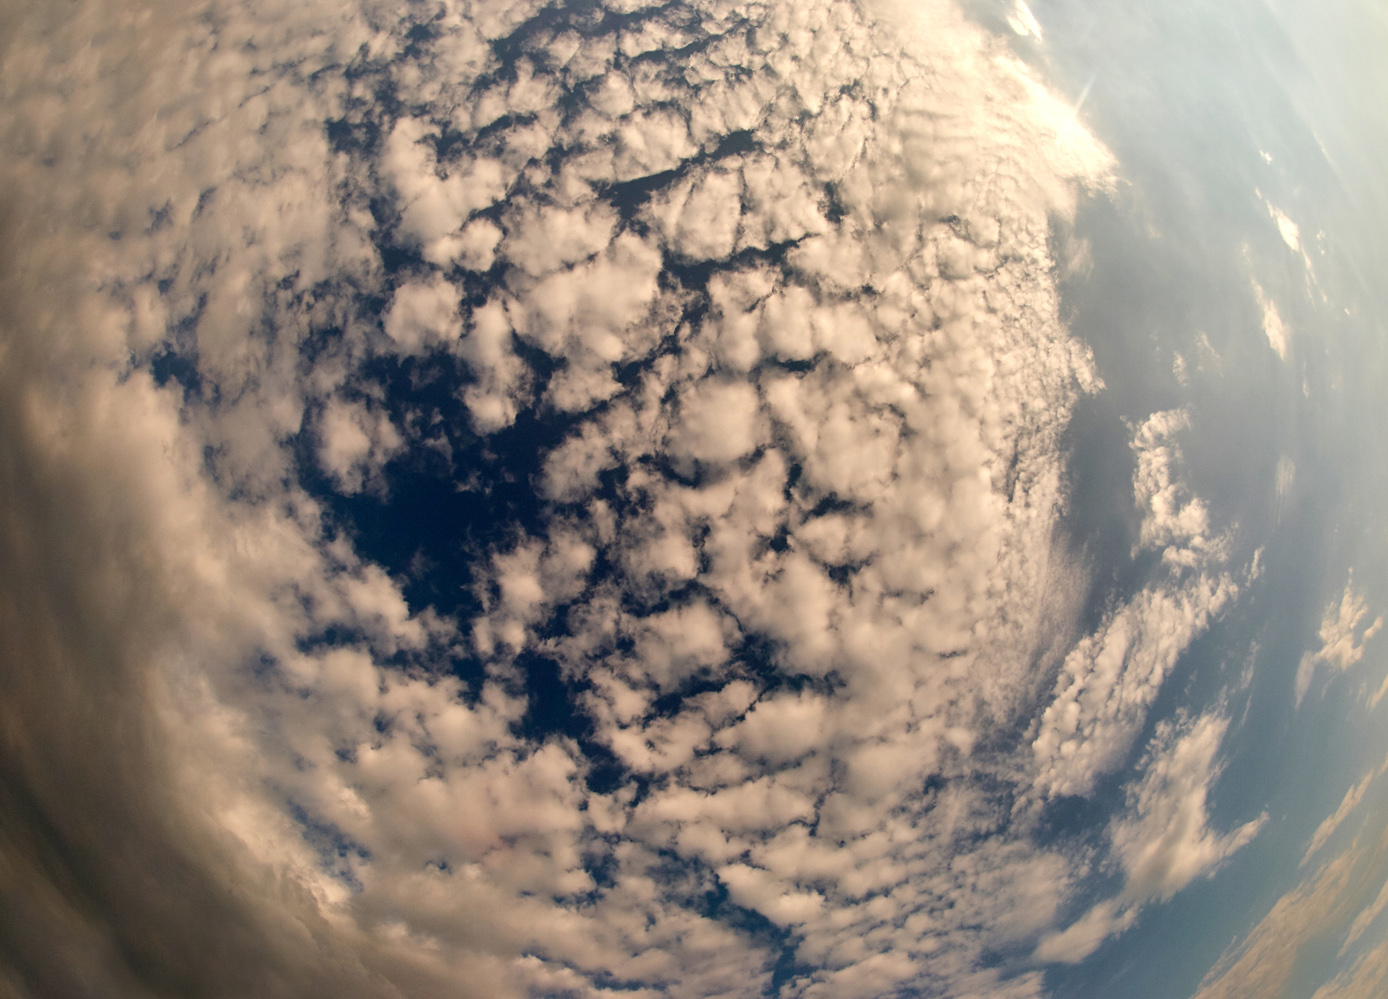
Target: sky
(806, 498)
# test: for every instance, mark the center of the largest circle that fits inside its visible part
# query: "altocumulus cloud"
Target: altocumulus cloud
(751, 660)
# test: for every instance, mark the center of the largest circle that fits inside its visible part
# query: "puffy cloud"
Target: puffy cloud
(1110, 677)
(779, 729)
(772, 319)
(754, 888)
(544, 239)
(591, 312)
(437, 199)
(1162, 841)
(423, 314)
(1173, 522)
(717, 423)
(1165, 843)
(1342, 638)
(501, 379)
(355, 443)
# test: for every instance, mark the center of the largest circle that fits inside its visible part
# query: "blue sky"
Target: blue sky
(1280, 123)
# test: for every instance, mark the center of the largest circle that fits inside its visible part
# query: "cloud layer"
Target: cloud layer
(752, 657)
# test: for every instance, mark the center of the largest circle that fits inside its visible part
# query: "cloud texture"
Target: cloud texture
(739, 323)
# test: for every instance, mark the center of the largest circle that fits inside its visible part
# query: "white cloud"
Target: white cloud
(1162, 841)
(699, 218)
(1274, 952)
(1173, 522)
(779, 729)
(544, 239)
(476, 245)
(1273, 326)
(423, 314)
(1165, 843)
(717, 422)
(1342, 638)
(754, 888)
(1290, 233)
(435, 207)
(1110, 677)
(1082, 937)
(356, 443)
(1023, 21)
(849, 577)
(1348, 804)
(591, 312)
(501, 378)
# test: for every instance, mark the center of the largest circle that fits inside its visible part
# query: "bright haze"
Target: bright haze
(841, 499)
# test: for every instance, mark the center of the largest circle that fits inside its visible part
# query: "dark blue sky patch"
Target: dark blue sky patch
(440, 513)
(358, 138)
(551, 707)
(600, 864)
(630, 196)
(788, 967)
(1100, 521)
(169, 365)
(763, 660)
(1075, 822)
(553, 710)
(715, 903)
(336, 850)
(695, 274)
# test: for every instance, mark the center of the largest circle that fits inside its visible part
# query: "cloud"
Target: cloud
(1083, 937)
(1173, 522)
(423, 314)
(1342, 638)
(755, 377)
(1366, 918)
(779, 729)
(1286, 228)
(1110, 676)
(696, 218)
(1165, 844)
(1162, 841)
(355, 443)
(1023, 21)
(1286, 476)
(1348, 804)
(1291, 235)
(755, 889)
(1323, 905)
(717, 423)
(1273, 326)
(434, 208)
(1366, 978)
